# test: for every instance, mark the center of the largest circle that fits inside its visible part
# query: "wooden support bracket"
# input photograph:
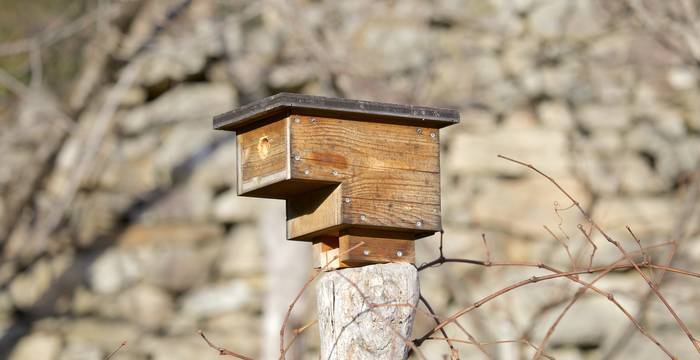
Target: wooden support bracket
(350, 250)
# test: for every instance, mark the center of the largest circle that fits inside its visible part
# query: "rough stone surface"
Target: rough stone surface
(349, 324)
(37, 346)
(136, 233)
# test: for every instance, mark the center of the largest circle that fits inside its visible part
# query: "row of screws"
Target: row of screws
(297, 120)
(363, 217)
(420, 132)
(399, 253)
(307, 171)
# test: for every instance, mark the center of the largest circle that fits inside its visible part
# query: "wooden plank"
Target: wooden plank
(374, 183)
(410, 216)
(325, 251)
(371, 145)
(263, 151)
(313, 211)
(375, 250)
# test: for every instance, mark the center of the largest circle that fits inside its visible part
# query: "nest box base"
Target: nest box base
(359, 249)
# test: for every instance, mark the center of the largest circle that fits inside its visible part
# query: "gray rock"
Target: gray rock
(604, 117)
(217, 299)
(30, 286)
(183, 348)
(78, 350)
(291, 76)
(146, 305)
(650, 214)
(114, 270)
(231, 208)
(105, 334)
(548, 19)
(176, 268)
(37, 346)
(472, 154)
(184, 103)
(241, 253)
(555, 115)
(522, 207)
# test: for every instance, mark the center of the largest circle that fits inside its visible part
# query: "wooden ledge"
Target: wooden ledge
(284, 104)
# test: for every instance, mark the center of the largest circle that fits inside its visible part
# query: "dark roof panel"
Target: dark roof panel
(284, 104)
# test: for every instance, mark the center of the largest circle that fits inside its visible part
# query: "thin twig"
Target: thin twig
(564, 245)
(283, 349)
(590, 241)
(222, 351)
(652, 286)
(488, 252)
(110, 355)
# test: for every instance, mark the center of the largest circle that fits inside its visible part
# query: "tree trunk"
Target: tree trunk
(352, 329)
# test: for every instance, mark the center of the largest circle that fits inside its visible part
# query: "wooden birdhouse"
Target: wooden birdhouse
(350, 171)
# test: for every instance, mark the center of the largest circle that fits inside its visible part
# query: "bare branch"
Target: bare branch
(110, 355)
(222, 351)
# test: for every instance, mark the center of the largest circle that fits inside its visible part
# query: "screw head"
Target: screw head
(433, 135)
(313, 120)
(365, 252)
(347, 200)
(306, 172)
(399, 253)
(363, 217)
(419, 223)
(296, 120)
(296, 157)
(334, 172)
(419, 131)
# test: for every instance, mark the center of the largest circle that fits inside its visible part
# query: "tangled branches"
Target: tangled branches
(638, 261)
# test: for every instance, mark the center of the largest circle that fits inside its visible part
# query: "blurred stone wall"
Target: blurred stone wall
(119, 216)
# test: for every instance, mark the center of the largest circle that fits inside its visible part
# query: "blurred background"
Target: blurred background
(119, 219)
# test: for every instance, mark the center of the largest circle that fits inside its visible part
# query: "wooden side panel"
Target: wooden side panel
(415, 217)
(370, 145)
(314, 211)
(375, 250)
(374, 183)
(263, 156)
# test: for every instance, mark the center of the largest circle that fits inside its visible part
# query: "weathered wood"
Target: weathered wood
(409, 216)
(375, 250)
(350, 328)
(375, 182)
(314, 211)
(365, 144)
(361, 246)
(283, 104)
(263, 156)
(325, 253)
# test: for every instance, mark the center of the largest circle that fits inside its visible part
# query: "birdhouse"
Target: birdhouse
(352, 172)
